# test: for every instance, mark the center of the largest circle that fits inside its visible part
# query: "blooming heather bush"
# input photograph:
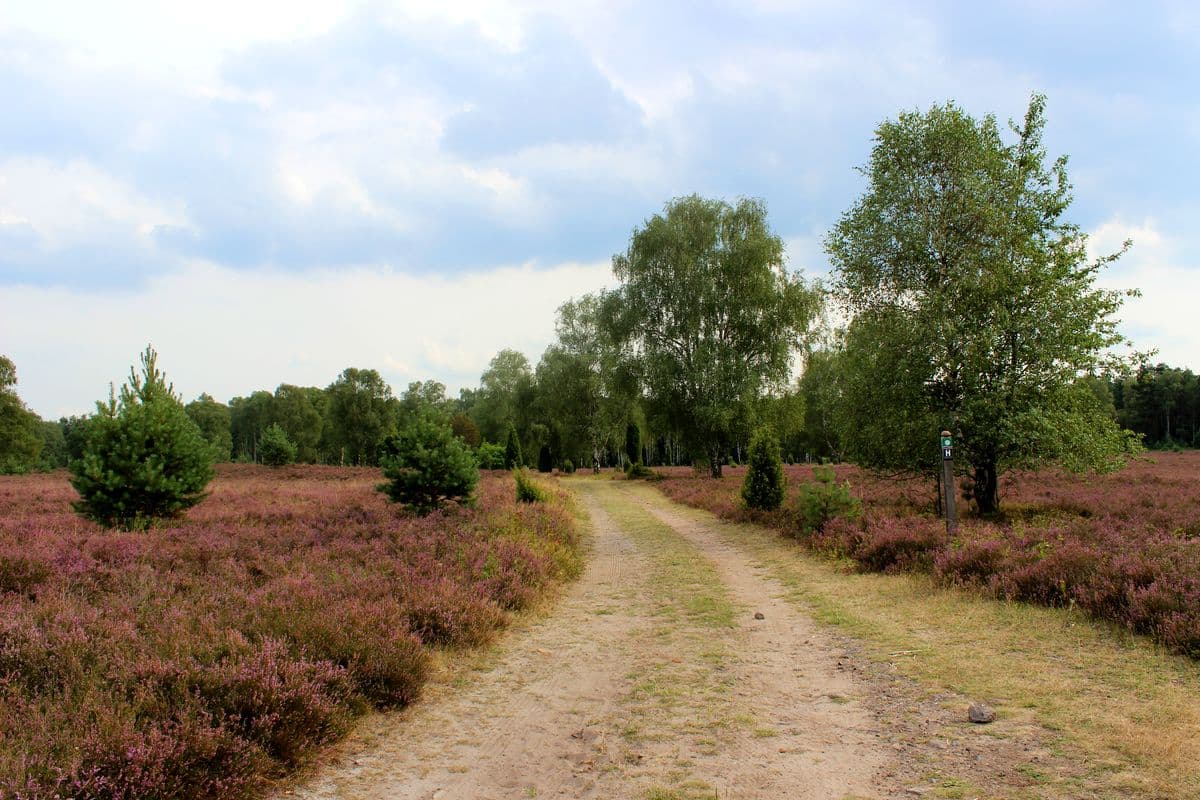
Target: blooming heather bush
(1052, 576)
(1124, 547)
(283, 704)
(443, 612)
(22, 572)
(201, 658)
(972, 562)
(890, 544)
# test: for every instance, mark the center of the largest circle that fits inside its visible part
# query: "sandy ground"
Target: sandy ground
(619, 692)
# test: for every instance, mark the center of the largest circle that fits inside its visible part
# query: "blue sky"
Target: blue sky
(272, 191)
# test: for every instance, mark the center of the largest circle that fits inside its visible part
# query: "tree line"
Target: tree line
(972, 306)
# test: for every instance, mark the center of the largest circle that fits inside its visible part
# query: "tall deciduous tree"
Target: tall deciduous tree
(587, 381)
(300, 411)
(248, 418)
(20, 429)
(214, 421)
(707, 303)
(975, 305)
(505, 393)
(820, 388)
(362, 411)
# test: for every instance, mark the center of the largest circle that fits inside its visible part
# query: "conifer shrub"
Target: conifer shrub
(763, 486)
(427, 466)
(527, 490)
(633, 443)
(824, 499)
(545, 459)
(512, 450)
(568, 466)
(143, 458)
(276, 449)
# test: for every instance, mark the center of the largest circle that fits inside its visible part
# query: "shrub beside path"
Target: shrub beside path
(653, 678)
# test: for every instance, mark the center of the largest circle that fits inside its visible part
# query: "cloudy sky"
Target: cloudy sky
(271, 191)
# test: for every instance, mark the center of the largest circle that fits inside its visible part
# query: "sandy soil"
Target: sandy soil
(616, 693)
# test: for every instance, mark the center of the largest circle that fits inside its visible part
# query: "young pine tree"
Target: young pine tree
(763, 486)
(427, 466)
(512, 449)
(143, 457)
(276, 449)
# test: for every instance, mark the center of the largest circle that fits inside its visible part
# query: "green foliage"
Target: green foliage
(143, 457)
(54, 446)
(527, 490)
(821, 387)
(214, 421)
(74, 434)
(707, 303)
(426, 465)
(764, 483)
(248, 418)
(300, 411)
(975, 306)
(491, 456)
(21, 438)
(825, 499)
(587, 381)
(360, 413)
(635, 471)
(1160, 402)
(276, 449)
(505, 395)
(512, 450)
(421, 396)
(568, 466)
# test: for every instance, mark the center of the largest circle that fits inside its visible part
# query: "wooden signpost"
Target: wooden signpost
(948, 482)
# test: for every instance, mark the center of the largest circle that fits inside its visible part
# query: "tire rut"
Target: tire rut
(794, 680)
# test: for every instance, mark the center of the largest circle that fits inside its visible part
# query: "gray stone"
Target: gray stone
(981, 714)
(759, 615)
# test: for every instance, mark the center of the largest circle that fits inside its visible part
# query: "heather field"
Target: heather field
(204, 658)
(1124, 547)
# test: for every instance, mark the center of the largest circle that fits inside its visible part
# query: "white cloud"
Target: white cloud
(1163, 317)
(169, 39)
(229, 333)
(74, 202)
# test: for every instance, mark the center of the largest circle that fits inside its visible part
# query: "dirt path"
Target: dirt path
(652, 678)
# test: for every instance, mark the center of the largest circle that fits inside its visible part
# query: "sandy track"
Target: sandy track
(792, 676)
(621, 692)
(524, 727)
